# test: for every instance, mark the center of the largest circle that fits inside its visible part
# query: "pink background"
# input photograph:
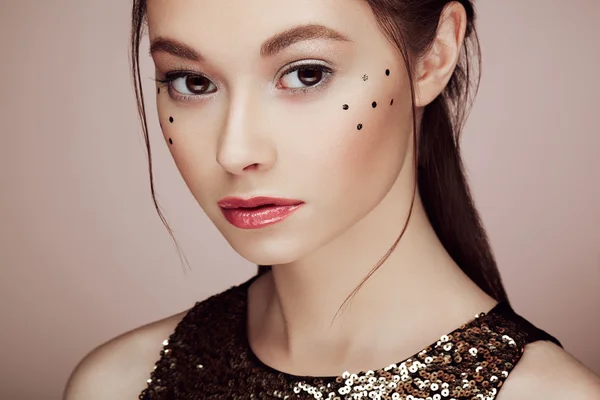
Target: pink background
(84, 257)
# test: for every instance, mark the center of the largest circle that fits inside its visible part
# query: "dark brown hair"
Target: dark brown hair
(412, 26)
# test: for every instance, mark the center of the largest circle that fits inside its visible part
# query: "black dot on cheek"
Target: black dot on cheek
(171, 119)
(345, 106)
(170, 140)
(392, 102)
(387, 72)
(359, 127)
(158, 91)
(374, 104)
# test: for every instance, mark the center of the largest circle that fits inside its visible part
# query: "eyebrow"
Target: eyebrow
(281, 41)
(178, 49)
(269, 48)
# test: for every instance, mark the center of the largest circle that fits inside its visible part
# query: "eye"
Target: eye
(191, 85)
(187, 86)
(304, 76)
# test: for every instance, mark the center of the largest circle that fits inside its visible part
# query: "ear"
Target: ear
(436, 66)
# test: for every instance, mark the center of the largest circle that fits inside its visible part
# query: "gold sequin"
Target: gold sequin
(207, 357)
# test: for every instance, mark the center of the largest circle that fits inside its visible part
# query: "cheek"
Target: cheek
(339, 158)
(189, 136)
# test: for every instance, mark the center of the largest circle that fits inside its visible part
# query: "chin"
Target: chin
(270, 250)
(268, 254)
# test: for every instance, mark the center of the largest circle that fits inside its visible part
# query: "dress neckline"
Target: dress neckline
(500, 308)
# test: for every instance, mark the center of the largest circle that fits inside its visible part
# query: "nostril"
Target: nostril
(251, 167)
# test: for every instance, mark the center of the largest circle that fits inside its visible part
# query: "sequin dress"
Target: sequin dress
(208, 357)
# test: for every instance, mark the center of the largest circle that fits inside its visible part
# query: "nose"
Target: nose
(245, 144)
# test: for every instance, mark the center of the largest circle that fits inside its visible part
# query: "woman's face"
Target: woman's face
(304, 100)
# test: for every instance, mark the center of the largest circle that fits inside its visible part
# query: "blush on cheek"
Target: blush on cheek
(376, 134)
(375, 148)
(347, 157)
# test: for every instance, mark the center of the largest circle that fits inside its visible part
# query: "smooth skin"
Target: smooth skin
(245, 125)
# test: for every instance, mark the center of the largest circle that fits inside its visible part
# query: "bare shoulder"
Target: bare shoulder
(119, 368)
(548, 372)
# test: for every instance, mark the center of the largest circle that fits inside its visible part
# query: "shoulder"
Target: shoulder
(119, 368)
(548, 372)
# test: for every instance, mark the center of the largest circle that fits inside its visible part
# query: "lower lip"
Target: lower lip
(248, 218)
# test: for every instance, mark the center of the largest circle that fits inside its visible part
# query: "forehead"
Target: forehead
(242, 25)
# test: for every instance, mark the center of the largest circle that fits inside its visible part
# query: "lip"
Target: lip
(257, 212)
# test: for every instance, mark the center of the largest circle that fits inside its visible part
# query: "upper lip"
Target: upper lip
(238, 202)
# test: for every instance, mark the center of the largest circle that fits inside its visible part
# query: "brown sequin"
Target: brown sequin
(208, 357)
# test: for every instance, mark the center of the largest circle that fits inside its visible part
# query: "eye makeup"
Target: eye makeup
(186, 86)
(319, 66)
(291, 68)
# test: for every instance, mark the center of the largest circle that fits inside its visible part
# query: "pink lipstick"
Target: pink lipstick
(257, 212)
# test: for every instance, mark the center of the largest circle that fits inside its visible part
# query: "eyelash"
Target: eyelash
(172, 76)
(297, 66)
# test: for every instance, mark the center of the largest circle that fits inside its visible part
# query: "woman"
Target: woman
(320, 137)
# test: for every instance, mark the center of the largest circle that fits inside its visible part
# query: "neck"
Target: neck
(416, 284)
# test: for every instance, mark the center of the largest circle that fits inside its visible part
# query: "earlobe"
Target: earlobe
(436, 66)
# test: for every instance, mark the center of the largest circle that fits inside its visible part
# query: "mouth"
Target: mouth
(257, 212)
